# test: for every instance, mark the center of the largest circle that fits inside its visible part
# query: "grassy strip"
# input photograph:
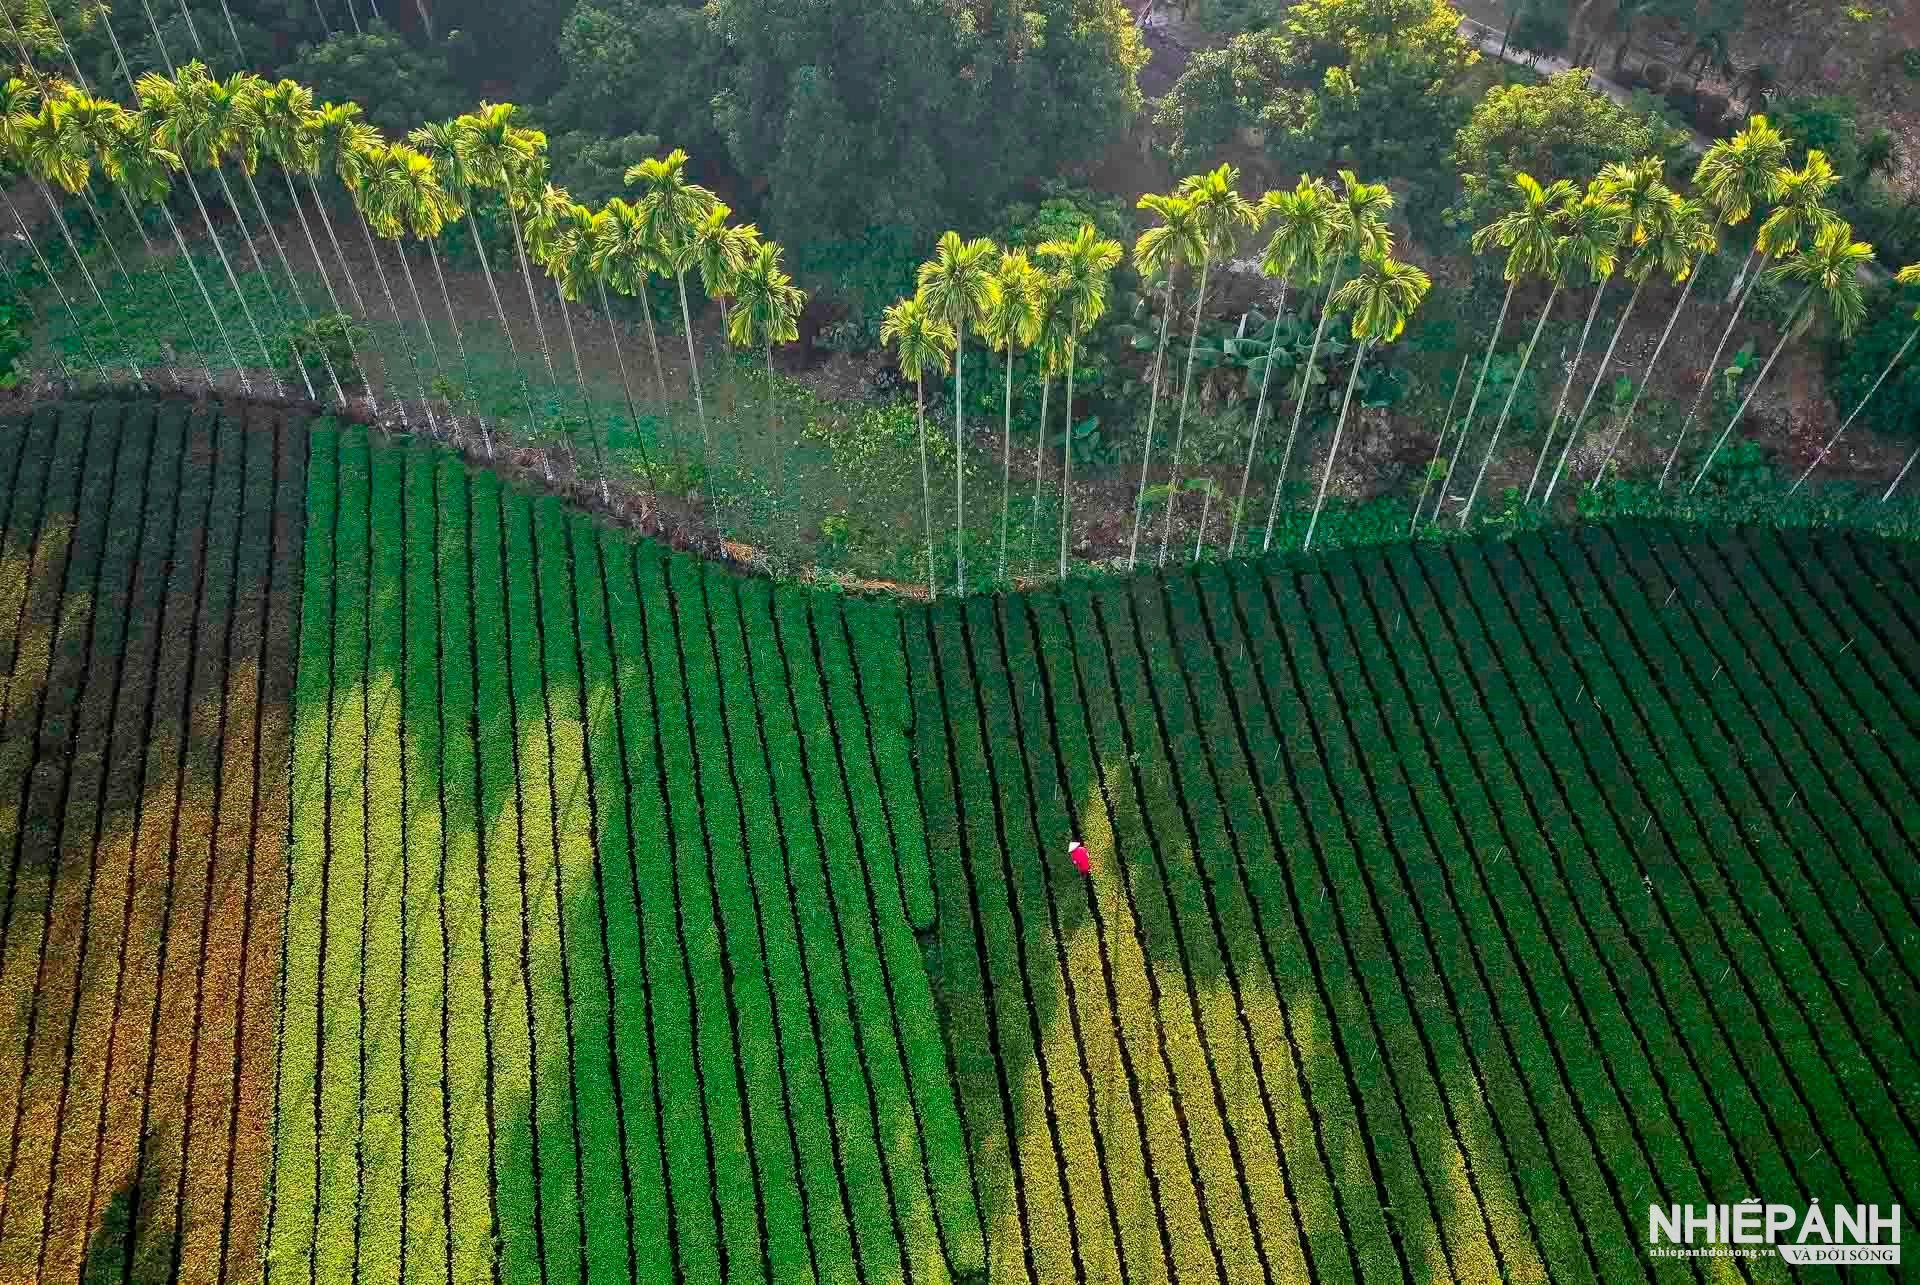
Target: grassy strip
(383, 1125)
(625, 964)
(916, 1026)
(258, 1022)
(735, 1182)
(692, 1218)
(795, 1022)
(579, 912)
(555, 1124)
(467, 1022)
(876, 1237)
(173, 1033)
(144, 467)
(149, 780)
(966, 994)
(873, 628)
(726, 855)
(1002, 941)
(337, 1236)
(293, 1209)
(1764, 969)
(424, 953)
(516, 1197)
(1141, 1130)
(51, 896)
(204, 1193)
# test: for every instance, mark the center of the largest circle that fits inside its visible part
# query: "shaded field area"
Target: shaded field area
(148, 596)
(600, 942)
(1449, 906)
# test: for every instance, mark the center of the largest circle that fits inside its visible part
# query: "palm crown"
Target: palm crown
(1382, 295)
(669, 205)
(923, 339)
(957, 281)
(1081, 267)
(1305, 222)
(1799, 210)
(1829, 269)
(1218, 207)
(1530, 232)
(767, 303)
(1594, 227)
(1012, 318)
(721, 249)
(1176, 241)
(1360, 217)
(1641, 192)
(1742, 172)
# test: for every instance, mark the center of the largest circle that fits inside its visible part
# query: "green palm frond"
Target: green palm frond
(1829, 269)
(1383, 294)
(922, 338)
(1739, 174)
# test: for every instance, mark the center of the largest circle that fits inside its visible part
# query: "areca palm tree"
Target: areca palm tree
(1799, 211)
(1664, 242)
(333, 132)
(924, 340)
(583, 266)
(1175, 243)
(669, 209)
(1587, 234)
(1012, 322)
(767, 313)
(1530, 234)
(1907, 276)
(444, 143)
(365, 152)
(1735, 176)
(1828, 272)
(1382, 296)
(1081, 273)
(17, 97)
(1357, 228)
(1303, 231)
(721, 251)
(957, 284)
(554, 228)
(627, 257)
(405, 197)
(1221, 212)
(1051, 345)
(512, 161)
(1596, 226)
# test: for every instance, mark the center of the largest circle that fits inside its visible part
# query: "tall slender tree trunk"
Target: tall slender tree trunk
(1326, 474)
(1493, 443)
(206, 296)
(46, 270)
(959, 464)
(1713, 369)
(580, 377)
(586, 402)
(66, 234)
(1473, 402)
(533, 300)
(1146, 456)
(1300, 404)
(293, 285)
(500, 311)
(1066, 472)
(626, 384)
(1905, 348)
(1566, 385)
(466, 363)
(413, 358)
(326, 279)
(1599, 377)
(1901, 476)
(1253, 445)
(1787, 336)
(353, 287)
(1180, 429)
(699, 402)
(259, 267)
(1039, 466)
(433, 348)
(1006, 463)
(1740, 278)
(926, 484)
(1633, 407)
(1439, 442)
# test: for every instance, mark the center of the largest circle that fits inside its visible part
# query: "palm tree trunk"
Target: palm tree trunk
(1326, 474)
(260, 268)
(1905, 348)
(1440, 441)
(65, 302)
(1787, 335)
(580, 377)
(1006, 463)
(533, 301)
(413, 359)
(1599, 375)
(1740, 278)
(1634, 406)
(626, 384)
(1566, 386)
(1300, 404)
(699, 402)
(959, 464)
(226, 340)
(1066, 472)
(1900, 476)
(173, 296)
(1039, 465)
(460, 342)
(293, 284)
(1146, 456)
(353, 287)
(99, 218)
(926, 485)
(433, 348)
(66, 234)
(1206, 507)
(1260, 409)
(1180, 429)
(586, 402)
(1473, 402)
(1713, 368)
(326, 279)
(33, 314)
(653, 345)
(1493, 443)
(500, 312)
